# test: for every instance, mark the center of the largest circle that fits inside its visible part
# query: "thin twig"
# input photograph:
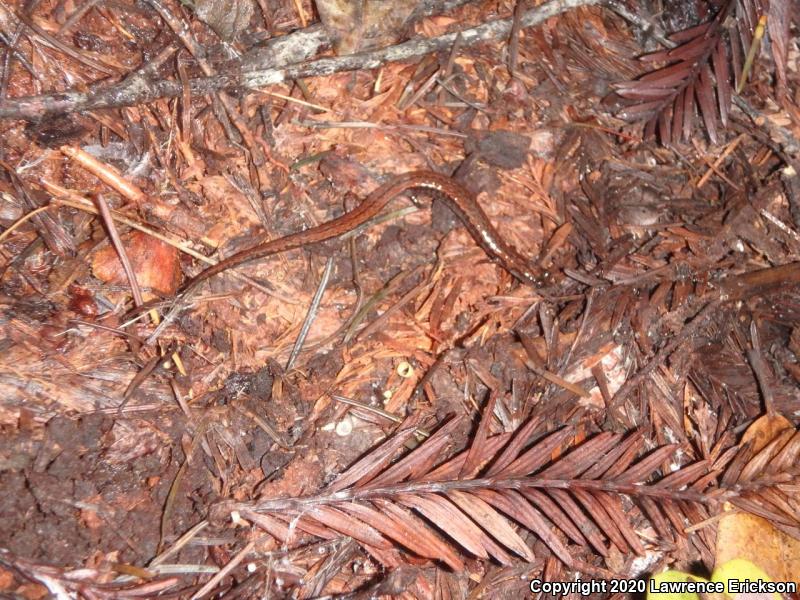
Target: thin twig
(253, 77)
(73, 200)
(116, 241)
(212, 583)
(423, 433)
(437, 487)
(106, 173)
(760, 369)
(77, 14)
(645, 25)
(57, 44)
(178, 544)
(382, 127)
(183, 31)
(513, 42)
(16, 224)
(455, 50)
(266, 427)
(311, 314)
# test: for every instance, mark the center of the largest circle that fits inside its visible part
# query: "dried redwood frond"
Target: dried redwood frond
(490, 498)
(765, 471)
(695, 79)
(698, 75)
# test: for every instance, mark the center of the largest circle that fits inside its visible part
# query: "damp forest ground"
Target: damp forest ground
(671, 320)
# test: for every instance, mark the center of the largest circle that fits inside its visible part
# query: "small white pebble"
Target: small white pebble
(405, 370)
(344, 427)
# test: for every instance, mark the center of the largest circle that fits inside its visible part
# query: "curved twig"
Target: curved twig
(133, 90)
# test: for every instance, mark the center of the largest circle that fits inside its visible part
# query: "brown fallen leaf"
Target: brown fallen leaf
(155, 263)
(356, 26)
(764, 430)
(228, 18)
(753, 538)
(746, 536)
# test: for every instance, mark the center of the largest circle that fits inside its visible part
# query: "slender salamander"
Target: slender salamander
(456, 196)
